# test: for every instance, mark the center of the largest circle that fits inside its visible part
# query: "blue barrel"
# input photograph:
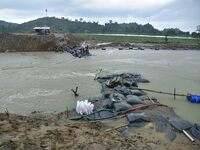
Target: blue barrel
(194, 98)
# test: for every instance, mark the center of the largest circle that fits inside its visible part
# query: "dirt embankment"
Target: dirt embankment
(51, 132)
(32, 42)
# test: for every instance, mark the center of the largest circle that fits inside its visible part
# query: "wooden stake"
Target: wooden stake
(174, 93)
(75, 92)
(67, 112)
(97, 74)
(7, 112)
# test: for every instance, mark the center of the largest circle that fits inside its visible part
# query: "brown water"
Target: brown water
(42, 81)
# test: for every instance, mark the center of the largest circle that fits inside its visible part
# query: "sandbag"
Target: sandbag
(160, 126)
(118, 96)
(160, 122)
(107, 103)
(137, 117)
(123, 90)
(196, 131)
(121, 106)
(158, 118)
(170, 135)
(129, 83)
(125, 132)
(106, 94)
(137, 92)
(179, 124)
(142, 80)
(132, 99)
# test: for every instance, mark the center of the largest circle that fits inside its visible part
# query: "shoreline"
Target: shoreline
(26, 42)
(57, 131)
(137, 46)
(145, 42)
(54, 132)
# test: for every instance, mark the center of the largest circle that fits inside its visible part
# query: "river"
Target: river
(42, 81)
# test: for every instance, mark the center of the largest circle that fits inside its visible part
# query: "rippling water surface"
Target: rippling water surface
(42, 81)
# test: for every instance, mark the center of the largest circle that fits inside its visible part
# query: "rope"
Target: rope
(85, 116)
(117, 115)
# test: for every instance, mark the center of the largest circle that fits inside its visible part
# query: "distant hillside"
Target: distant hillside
(80, 26)
(61, 25)
(7, 25)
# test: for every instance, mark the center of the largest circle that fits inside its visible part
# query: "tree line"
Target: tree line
(81, 26)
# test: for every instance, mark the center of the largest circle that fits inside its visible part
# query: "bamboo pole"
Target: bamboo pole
(160, 92)
(140, 107)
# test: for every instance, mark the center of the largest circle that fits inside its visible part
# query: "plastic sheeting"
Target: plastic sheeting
(84, 107)
(179, 123)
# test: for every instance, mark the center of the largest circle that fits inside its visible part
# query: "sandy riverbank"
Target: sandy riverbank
(136, 122)
(40, 131)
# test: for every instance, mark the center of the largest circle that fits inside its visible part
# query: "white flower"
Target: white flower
(84, 107)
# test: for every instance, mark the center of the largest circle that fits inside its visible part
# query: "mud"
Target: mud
(52, 132)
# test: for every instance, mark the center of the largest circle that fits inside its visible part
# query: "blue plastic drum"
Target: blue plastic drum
(194, 98)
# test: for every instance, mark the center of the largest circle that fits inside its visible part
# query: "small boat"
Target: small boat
(103, 48)
(193, 98)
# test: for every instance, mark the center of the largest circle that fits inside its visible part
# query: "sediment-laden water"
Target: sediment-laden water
(42, 81)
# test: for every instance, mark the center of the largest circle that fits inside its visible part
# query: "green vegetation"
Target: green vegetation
(139, 39)
(81, 26)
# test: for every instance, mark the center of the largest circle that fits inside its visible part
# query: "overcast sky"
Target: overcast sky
(184, 14)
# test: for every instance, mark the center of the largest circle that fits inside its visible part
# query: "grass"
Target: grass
(138, 39)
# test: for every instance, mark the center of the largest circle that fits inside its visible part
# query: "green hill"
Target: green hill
(80, 26)
(7, 26)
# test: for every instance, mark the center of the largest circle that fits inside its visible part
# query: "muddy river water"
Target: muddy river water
(42, 81)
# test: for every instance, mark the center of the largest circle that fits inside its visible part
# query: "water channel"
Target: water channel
(42, 81)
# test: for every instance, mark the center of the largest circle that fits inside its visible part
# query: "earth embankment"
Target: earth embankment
(32, 42)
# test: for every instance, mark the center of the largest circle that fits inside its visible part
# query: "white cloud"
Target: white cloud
(120, 4)
(183, 14)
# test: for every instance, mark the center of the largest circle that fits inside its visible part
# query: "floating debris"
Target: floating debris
(75, 50)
